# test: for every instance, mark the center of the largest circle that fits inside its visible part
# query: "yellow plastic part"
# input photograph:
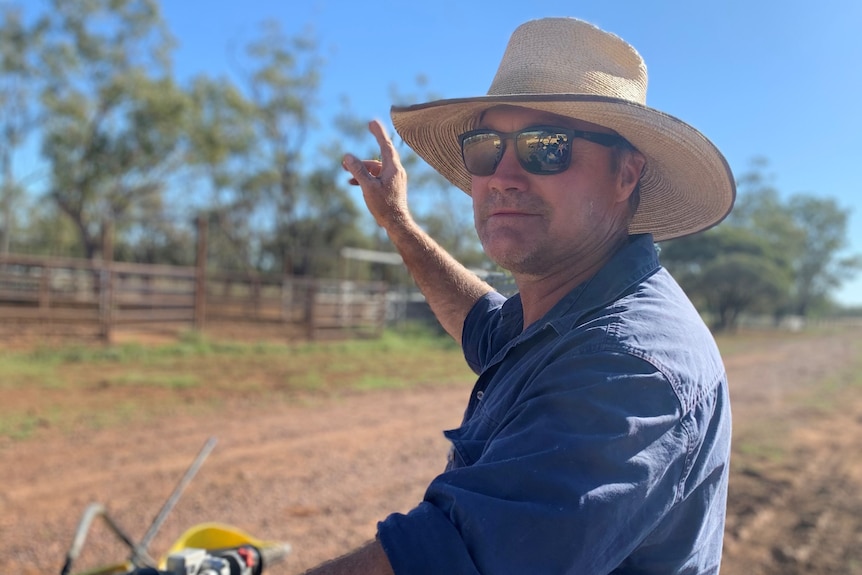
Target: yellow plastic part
(214, 536)
(211, 536)
(118, 569)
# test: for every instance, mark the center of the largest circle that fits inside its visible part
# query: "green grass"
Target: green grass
(18, 426)
(63, 387)
(58, 388)
(18, 370)
(142, 379)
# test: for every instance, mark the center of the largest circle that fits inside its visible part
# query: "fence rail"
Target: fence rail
(43, 295)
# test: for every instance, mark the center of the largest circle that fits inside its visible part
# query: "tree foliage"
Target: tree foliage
(123, 141)
(810, 231)
(820, 267)
(729, 271)
(19, 82)
(771, 256)
(113, 114)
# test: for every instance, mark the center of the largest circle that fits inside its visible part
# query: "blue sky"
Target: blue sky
(779, 79)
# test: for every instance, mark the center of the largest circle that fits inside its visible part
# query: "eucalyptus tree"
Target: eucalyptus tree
(325, 220)
(19, 79)
(298, 205)
(729, 271)
(114, 116)
(823, 264)
(771, 256)
(809, 231)
(221, 140)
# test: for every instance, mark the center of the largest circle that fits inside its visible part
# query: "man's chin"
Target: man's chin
(517, 262)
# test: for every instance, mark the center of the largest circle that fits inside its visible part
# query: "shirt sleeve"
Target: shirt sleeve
(569, 478)
(477, 341)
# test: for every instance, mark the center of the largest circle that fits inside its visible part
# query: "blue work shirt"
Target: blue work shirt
(595, 441)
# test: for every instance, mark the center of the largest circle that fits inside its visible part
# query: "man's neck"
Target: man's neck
(540, 293)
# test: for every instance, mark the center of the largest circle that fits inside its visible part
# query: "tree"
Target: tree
(220, 145)
(114, 116)
(302, 215)
(769, 256)
(818, 268)
(326, 220)
(729, 271)
(282, 80)
(47, 232)
(19, 45)
(811, 232)
(736, 283)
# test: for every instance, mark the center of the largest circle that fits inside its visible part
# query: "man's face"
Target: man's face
(536, 225)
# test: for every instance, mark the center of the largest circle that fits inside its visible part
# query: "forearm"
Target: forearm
(369, 559)
(450, 289)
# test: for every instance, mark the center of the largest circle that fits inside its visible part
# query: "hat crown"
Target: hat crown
(569, 56)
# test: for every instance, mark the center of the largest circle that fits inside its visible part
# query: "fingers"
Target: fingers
(362, 171)
(374, 167)
(368, 170)
(383, 182)
(388, 153)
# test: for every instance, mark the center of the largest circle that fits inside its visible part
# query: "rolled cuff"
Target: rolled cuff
(424, 541)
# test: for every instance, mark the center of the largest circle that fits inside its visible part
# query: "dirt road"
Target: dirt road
(320, 474)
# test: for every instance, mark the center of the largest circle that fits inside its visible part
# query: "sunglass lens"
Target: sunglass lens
(544, 151)
(482, 153)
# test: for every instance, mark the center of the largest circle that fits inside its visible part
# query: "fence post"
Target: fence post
(310, 315)
(201, 275)
(106, 292)
(45, 291)
(382, 297)
(255, 296)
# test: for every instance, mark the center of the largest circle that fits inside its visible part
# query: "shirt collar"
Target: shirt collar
(626, 268)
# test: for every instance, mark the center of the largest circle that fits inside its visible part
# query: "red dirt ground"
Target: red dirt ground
(320, 474)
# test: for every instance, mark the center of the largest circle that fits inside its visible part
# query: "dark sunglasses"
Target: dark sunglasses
(541, 150)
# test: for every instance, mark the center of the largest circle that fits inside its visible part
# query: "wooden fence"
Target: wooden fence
(67, 296)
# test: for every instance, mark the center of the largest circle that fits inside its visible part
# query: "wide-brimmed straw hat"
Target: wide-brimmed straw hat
(571, 68)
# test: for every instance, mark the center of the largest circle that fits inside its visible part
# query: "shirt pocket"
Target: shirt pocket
(469, 440)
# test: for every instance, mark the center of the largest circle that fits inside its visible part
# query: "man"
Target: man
(596, 439)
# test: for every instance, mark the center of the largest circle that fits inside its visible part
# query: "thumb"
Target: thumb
(362, 171)
(352, 164)
(356, 168)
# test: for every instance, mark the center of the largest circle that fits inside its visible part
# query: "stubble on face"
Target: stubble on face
(510, 226)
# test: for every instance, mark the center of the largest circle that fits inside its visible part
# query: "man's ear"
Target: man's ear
(631, 168)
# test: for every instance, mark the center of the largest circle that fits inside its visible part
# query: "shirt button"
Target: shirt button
(479, 395)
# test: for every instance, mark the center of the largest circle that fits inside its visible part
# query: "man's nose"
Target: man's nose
(509, 175)
(509, 168)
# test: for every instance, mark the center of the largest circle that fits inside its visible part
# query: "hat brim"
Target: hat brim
(687, 185)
